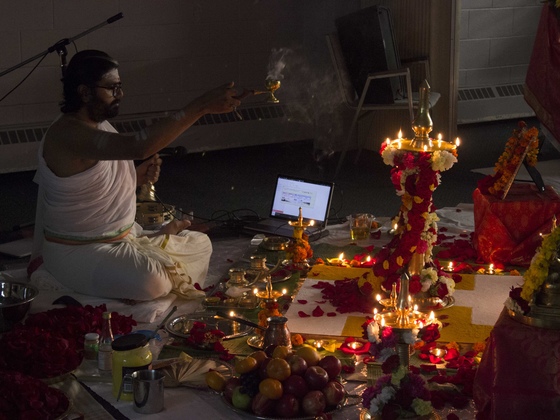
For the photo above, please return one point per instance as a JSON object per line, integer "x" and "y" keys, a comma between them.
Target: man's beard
{"x": 99, "y": 111}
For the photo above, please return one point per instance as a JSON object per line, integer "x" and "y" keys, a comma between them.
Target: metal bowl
{"x": 275, "y": 243}
{"x": 15, "y": 300}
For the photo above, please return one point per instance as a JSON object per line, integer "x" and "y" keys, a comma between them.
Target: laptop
{"x": 291, "y": 193}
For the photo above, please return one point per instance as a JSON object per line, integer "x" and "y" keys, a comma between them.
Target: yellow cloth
{"x": 330, "y": 272}
{"x": 459, "y": 318}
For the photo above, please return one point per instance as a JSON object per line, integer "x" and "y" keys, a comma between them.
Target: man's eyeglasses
{"x": 115, "y": 89}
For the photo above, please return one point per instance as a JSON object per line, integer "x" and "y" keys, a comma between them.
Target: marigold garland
{"x": 522, "y": 144}
{"x": 538, "y": 270}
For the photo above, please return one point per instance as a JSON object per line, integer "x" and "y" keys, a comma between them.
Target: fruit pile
{"x": 284, "y": 384}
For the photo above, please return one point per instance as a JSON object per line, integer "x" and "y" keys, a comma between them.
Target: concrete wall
{"x": 169, "y": 50}
{"x": 496, "y": 41}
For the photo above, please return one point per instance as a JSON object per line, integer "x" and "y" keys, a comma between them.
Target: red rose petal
{"x": 302, "y": 301}
{"x": 317, "y": 312}
{"x": 331, "y": 313}
{"x": 303, "y": 314}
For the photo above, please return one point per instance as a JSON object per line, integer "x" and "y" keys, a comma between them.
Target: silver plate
{"x": 181, "y": 325}
{"x": 281, "y": 275}
{"x": 344, "y": 403}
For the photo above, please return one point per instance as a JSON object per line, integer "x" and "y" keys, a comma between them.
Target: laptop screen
{"x": 314, "y": 198}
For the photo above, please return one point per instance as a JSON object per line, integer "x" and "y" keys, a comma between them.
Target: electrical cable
{"x": 24, "y": 79}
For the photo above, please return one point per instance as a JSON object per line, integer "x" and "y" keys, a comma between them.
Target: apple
{"x": 231, "y": 384}
{"x": 332, "y": 365}
{"x": 295, "y": 385}
{"x": 316, "y": 377}
{"x": 287, "y": 406}
{"x": 334, "y": 393}
{"x": 262, "y": 406}
{"x": 313, "y": 403}
{"x": 298, "y": 365}
{"x": 240, "y": 400}
{"x": 262, "y": 368}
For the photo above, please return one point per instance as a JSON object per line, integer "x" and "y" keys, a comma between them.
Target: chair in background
{"x": 362, "y": 106}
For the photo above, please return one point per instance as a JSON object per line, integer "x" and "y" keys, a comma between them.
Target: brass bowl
{"x": 275, "y": 243}
{"x": 15, "y": 301}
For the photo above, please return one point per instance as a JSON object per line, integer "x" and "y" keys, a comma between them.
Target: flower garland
{"x": 383, "y": 339}
{"x": 523, "y": 144}
{"x": 520, "y": 297}
{"x": 415, "y": 176}
{"x": 398, "y": 394}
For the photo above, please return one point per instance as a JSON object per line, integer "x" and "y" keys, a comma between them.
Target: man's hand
{"x": 174, "y": 227}
{"x": 148, "y": 171}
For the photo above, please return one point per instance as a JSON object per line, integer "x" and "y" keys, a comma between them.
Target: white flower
{"x": 429, "y": 274}
{"x": 513, "y": 306}
{"x": 388, "y": 156}
{"x": 409, "y": 337}
{"x": 442, "y": 160}
{"x": 398, "y": 375}
{"x": 385, "y": 353}
{"x": 449, "y": 282}
{"x": 373, "y": 332}
{"x": 426, "y": 285}
{"x": 422, "y": 407}
{"x": 386, "y": 394}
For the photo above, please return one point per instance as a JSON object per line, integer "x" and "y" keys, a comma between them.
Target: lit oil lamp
{"x": 300, "y": 225}
{"x": 422, "y": 125}
{"x": 269, "y": 293}
{"x": 401, "y": 318}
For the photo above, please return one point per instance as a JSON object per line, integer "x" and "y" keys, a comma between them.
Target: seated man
{"x": 85, "y": 231}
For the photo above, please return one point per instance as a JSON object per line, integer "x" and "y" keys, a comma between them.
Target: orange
{"x": 310, "y": 355}
{"x": 278, "y": 369}
{"x": 271, "y": 388}
{"x": 245, "y": 365}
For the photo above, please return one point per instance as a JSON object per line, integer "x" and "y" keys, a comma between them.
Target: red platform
{"x": 519, "y": 375}
{"x": 508, "y": 231}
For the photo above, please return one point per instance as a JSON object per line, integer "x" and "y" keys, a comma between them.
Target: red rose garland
{"x": 415, "y": 176}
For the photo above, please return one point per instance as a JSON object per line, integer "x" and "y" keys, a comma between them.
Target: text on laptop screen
{"x": 291, "y": 194}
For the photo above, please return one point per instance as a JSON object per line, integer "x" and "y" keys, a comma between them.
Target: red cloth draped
{"x": 508, "y": 231}
{"x": 542, "y": 82}
{"x": 519, "y": 375}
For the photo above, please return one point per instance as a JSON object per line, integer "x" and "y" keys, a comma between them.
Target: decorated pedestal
{"x": 509, "y": 231}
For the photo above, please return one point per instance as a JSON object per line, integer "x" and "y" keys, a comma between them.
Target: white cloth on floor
{"x": 50, "y": 290}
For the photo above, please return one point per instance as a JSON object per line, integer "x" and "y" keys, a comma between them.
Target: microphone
{"x": 115, "y": 18}
{"x": 178, "y": 151}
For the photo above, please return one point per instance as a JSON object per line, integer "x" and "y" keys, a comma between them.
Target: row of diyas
{"x": 430, "y": 146}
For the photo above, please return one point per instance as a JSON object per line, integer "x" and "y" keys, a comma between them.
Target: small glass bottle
{"x": 105, "y": 354}
{"x": 91, "y": 346}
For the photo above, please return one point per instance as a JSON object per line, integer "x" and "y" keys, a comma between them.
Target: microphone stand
{"x": 60, "y": 47}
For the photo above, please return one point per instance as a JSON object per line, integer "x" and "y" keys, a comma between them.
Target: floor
{"x": 228, "y": 185}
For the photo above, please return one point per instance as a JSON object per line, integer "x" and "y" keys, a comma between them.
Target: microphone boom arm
{"x": 60, "y": 46}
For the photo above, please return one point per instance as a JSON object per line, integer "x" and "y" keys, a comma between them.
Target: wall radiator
{"x": 261, "y": 124}
{"x": 492, "y": 103}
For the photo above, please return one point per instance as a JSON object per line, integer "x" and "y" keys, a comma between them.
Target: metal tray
{"x": 181, "y": 325}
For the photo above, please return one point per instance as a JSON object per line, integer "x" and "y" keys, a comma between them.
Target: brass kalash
{"x": 151, "y": 213}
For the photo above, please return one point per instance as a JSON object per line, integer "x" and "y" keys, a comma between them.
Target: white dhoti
{"x": 86, "y": 235}
{"x": 135, "y": 267}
